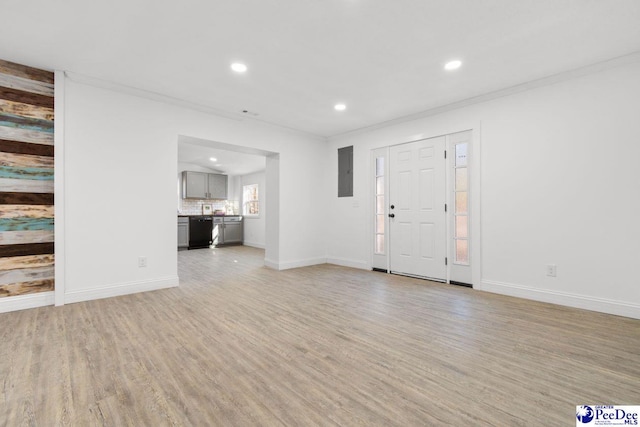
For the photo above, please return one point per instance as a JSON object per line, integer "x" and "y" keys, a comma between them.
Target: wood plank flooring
{"x": 238, "y": 344}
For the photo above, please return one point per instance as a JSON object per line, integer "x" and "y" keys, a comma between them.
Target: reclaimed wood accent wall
{"x": 26, "y": 180}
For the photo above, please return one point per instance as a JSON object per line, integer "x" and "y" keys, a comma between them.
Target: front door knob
{"x": 392, "y": 215}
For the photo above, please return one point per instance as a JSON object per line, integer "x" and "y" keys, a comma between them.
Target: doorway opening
{"x": 242, "y": 167}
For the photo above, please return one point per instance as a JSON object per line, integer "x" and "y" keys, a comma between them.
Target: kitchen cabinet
{"x": 228, "y": 230}
{"x": 183, "y": 232}
{"x": 217, "y": 186}
{"x": 202, "y": 185}
{"x": 233, "y": 232}
{"x": 195, "y": 185}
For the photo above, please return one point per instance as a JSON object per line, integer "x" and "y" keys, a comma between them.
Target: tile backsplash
{"x": 194, "y": 206}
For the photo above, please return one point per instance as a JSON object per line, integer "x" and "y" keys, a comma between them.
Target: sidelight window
{"x": 380, "y": 204}
{"x": 461, "y": 208}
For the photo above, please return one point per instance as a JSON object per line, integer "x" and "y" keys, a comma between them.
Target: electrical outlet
{"x": 142, "y": 261}
{"x": 551, "y": 270}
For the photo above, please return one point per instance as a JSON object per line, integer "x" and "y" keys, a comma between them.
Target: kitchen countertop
{"x": 219, "y": 216}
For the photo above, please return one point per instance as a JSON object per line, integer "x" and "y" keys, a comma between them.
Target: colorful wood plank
{"x": 26, "y": 275}
{"x": 26, "y": 185}
{"x": 16, "y": 95}
{"x": 22, "y": 249}
{"x": 26, "y": 224}
{"x": 26, "y": 237}
{"x": 7, "y": 67}
{"x": 13, "y": 121}
{"x": 9, "y": 198}
{"x": 26, "y": 180}
{"x": 18, "y": 147}
{"x": 25, "y": 160}
{"x": 27, "y": 261}
{"x": 38, "y": 174}
{"x": 16, "y": 289}
{"x": 20, "y": 83}
{"x": 26, "y": 110}
{"x": 25, "y": 135}
{"x": 26, "y": 211}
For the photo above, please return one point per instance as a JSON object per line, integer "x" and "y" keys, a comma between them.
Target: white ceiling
{"x": 383, "y": 58}
{"x": 194, "y": 151}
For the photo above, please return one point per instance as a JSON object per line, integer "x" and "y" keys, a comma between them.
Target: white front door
{"x": 417, "y": 197}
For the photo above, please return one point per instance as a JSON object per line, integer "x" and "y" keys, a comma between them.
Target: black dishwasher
{"x": 200, "y": 228}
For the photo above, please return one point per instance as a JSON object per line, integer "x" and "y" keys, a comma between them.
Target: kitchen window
{"x": 250, "y": 200}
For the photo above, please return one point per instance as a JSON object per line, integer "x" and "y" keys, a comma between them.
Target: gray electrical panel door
{"x": 345, "y": 172}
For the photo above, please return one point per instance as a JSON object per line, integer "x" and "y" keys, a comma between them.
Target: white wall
{"x": 272, "y": 208}
{"x": 120, "y": 168}
{"x": 254, "y": 226}
{"x": 234, "y": 193}
{"x": 559, "y": 185}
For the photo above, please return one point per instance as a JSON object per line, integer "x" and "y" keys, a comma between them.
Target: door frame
{"x": 475, "y": 211}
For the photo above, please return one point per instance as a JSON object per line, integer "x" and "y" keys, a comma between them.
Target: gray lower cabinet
{"x": 183, "y": 232}
{"x": 233, "y": 232}
{"x": 218, "y": 231}
{"x": 201, "y": 185}
{"x": 228, "y": 229}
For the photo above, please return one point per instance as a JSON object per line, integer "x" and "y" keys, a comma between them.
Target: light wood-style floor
{"x": 238, "y": 344}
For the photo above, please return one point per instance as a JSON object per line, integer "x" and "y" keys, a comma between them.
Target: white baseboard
{"x": 315, "y": 261}
{"x": 349, "y": 263}
{"x": 271, "y": 264}
{"x": 23, "y": 302}
{"x": 253, "y": 245}
{"x": 619, "y": 308}
{"x": 121, "y": 289}
{"x": 294, "y": 264}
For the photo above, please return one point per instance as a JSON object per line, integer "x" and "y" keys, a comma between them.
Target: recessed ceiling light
{"x": 238, "y": 67}
{"x": 452, "y": 65}
{"x": 213, "y": 159}
{"x": 340, "y": 107}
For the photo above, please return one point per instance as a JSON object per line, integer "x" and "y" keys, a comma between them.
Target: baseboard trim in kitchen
{"x": 253, "y": 245}
{"x": 121, "y": 289}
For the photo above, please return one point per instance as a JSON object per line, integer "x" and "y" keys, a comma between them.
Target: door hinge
{"x": 446, "y": 261}
{"x": 445, "y": 207}
{"x": 445, "y": 154}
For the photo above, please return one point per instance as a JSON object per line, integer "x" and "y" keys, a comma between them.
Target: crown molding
{"x": 523, "y": 87}
{"x": 154, "y": 96}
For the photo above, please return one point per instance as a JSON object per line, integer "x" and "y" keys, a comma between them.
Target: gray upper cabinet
{"x": 195, "y": 185}
{"x": 217, "y": 186}
{"x": 201, "y": 185}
